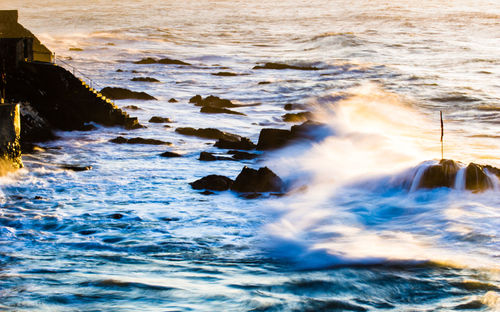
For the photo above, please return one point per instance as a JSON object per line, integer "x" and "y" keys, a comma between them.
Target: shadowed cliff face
{"x": 59, "y": 100}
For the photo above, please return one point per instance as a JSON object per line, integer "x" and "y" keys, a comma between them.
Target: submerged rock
{"x": 145, "y": 79}
{"x": 122, "y": 140}
{"x": 217, "y": 110}
{"x": 158, "y": 119}
{"x": 123, "y": 94}
{"x": 168, "y": 61}
{"x": 257, "y": 181}
{"x": 172, "y": 100}
{"x": 207, "y": 133}
{"x": 76, "y": 168}
{"x": 132, "y": 107}
{"x": 280, "y": 66}
{"x": 170, "y": 154}
{"x": 241, "y": 144}
{"x": 239, "y": 155}
{"x": 225, "y": 74}
{"x": 212, "y": 182}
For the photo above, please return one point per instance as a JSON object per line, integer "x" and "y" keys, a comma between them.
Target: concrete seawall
{"x": 10, "y": 130}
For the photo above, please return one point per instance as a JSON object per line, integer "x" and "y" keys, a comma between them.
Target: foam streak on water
{"x": 352, "y": 235}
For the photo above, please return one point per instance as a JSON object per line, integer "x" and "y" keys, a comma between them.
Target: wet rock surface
{"x": 76, "y": 168}
{"x": 445, "y": 173}
{"x": 169, "y": 154}
{"x": 167, "y": 61}
{"x": 270, "y": 138}
{"x": 124, "y": 94}
{"x": 241, "y": 144}
{"x": 212, "y": 101}
{"x": 158, "y": 119}
{"x": 297, "y": 117}
{"x": 257, "y": 181}
{"x": 281, "y": 66}
{"x": 212, "y": 182}
{"x": 122, "y": 140}
{"x": 145, "y": 79}
{"x": 217, "y": 110}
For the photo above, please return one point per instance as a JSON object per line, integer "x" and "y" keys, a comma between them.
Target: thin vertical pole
{"x": 442, "y": 134}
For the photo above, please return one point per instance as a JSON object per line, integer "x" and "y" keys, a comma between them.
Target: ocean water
{"x": 131, "y": 235}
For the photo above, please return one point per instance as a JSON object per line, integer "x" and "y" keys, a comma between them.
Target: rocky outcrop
{"x": 257, "y": 181}
{"x": 240, "y": 144}
{"x": 158, "y": 119}
{"x": 10, "y": 147}
{"x": 225, "y": 74}
{"x": 208, "y": 133}
{"x": 212, "y": 101}
{"x": 445, "y": 174}
{"x": 217, "y": 110}
{"x": 166, "y": 61}
{"x": 249, "y": 180}
{"x": 280, "y": 66}
{"x": 124, "y": 94}
{"x": 212, "y": 182}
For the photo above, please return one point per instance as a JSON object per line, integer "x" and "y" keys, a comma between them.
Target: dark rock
{"x": 170, "y": 154}
{"x": 172, "y": 100}
{"x": 288, "y": 106}
{"x": 212, "y": 101}
{"x": 116, "y": 216}
{"x": 264, "y": 82}
{"x": 212, "y": 182}
{"x": 205, "y": 156}
{"x": 257, "y": 181}
{"x": 297, "y": 117}
{"x": 225, "y": 74}
{"x": 122, "y": 140}
{"x": 76, "y": 49}
{"x": 157, "y": 119}
{"x": 440, "y": 175}
{"x": 196, "y": 99}
{"x": 273, "y": 138}
{"x": 476, "y": 179}
{"x": 239, "y": 155}
{"x": 132, "y": 107}
{"x": 76, "y": 168}
{"x": 132, "y": 123}
{"x": 123, "y": 94}
{"x": 168, "y": 61}
{"x": 280, "y": 66}
{"x": 492, "y": 170}
{"x": 145, "y": 79}
{"x": 119, "y": 70}
{"x": 216, "y": 110}
{"x": 241, "y": 144}
{"x": 207, "y": 133}
{"x": 251, "y": 195}
{"x": 52, "y": 98}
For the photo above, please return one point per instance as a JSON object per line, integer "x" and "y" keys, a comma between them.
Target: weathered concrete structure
{"x": 10, "y": 28}
{"x": 10, "y": 131}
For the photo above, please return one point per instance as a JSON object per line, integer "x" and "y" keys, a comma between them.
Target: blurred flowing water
{"x": 132, "y": 235}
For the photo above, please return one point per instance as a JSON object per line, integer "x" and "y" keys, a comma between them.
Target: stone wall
{"x": 10, "y": 130}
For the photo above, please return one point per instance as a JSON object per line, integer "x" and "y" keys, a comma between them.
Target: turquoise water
{"x": 131, "y": 234}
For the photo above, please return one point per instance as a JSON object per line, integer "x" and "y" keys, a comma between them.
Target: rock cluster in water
{"x": 477, "y": 178}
